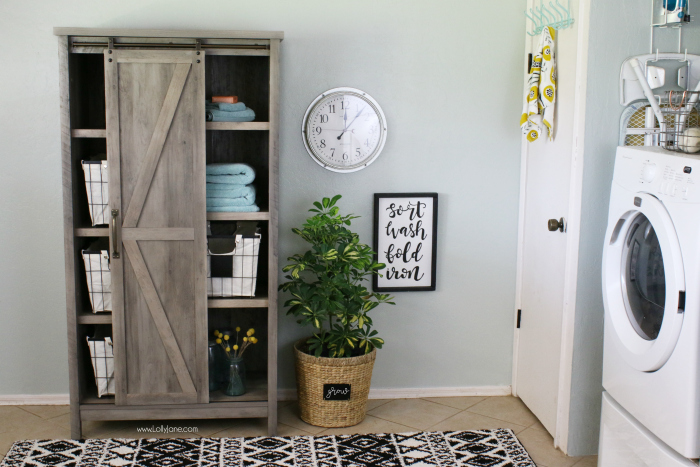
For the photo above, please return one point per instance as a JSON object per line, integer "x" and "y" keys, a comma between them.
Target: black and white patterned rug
{"x": 497, "y": 448}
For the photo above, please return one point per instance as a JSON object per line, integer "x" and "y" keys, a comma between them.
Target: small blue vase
{"x": 235, "y": 384}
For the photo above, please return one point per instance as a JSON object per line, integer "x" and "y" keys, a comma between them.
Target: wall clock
{"x": 344, "y": 130}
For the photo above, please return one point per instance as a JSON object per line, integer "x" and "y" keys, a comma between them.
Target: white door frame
{"x": 573, "y": 229}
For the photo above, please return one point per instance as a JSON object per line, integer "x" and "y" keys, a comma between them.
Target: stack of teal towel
{"x": 229, "y": 188}
{"x": 222, "y": 112}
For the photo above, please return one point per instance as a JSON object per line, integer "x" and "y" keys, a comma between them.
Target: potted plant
{"x": 326, "y": 282}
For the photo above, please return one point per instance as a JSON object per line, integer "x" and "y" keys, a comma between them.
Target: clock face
{"x": 344, "y": 130}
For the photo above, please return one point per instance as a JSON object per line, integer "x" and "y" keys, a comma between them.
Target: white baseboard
{"x": 35, "y": 399}
{"x": 415, "y": 393}
{"x": 291, "y": 394}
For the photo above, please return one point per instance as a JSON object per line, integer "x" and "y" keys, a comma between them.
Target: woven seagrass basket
{"x": 314, "y": 372}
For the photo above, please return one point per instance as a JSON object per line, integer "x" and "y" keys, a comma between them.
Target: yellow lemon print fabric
{"x": 541, "y": 94}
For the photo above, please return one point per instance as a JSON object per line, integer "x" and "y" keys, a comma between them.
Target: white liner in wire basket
{"x": 244, "y": 269}
{"x": 99, "y": 279}
{"x": 102, "y": 358}
{"x": 97, "y": 190}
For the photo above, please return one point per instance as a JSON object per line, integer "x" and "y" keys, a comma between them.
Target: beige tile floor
{"x": 383, "y": 416}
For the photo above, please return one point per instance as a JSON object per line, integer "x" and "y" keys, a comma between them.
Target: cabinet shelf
{"x": 238, "y": 216}
{"x": 92, "y": 232}
{"x": 92, "y": 399}
{"x": 250, "y": 126}
{"x": 211, "y": 216}
{"x": 256, "y": 391}
{"x": 238, "y": 302}
{"x": 95, "y": 318}
{"x": 84, "y": 133}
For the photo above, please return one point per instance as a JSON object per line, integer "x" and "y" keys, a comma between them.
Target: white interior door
{"x": 546, "y": 181}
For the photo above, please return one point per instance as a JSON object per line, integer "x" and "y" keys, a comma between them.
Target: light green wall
{"x": 450, "y": 84}
{"x": 618, "y": 30}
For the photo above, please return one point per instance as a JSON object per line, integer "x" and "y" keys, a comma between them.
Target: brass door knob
{"x": 553, "y": 225}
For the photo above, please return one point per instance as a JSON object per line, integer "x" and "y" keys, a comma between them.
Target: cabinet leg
{"x": 76, "y": 425}
{"x": 272, "y": 423}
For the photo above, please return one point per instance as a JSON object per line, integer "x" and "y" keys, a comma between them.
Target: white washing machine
{"x": 651, "y": 289}
{"x": 624, "y": 442}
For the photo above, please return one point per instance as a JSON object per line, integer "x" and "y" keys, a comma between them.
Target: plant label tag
{"x": 336, "y": 392}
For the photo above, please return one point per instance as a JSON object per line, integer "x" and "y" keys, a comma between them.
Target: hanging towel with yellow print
{"x": 541, "y": 94}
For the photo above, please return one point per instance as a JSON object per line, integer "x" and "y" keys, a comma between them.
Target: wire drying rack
{"x": 680, "y": 131}
{"x": 555, "y": 15}
{"x": 680, "y": 127}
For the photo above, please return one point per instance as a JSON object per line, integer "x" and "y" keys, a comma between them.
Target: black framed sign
{"x": 405, "y": 239}
{"x": 336, "y": 392}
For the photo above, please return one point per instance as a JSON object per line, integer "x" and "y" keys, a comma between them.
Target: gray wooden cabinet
{"x": 138, "y": 96}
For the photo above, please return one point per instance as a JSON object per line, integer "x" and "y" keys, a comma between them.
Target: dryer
{"x": 651, "y": 289}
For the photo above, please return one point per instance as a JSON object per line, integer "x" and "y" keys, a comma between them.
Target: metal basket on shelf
{"x": 680, "y": 130}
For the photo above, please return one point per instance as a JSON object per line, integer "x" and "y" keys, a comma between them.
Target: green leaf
{"x": 335, "y": 199}
{"x": 326, "y": 202}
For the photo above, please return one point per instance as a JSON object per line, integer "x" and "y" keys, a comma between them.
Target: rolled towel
{"x": 246, "y": 115}
{"x": 236, "y": 173}
{"x": 252, "y": 208}
{"x": 226, "y": 107}
{"x": 223, "y": 190}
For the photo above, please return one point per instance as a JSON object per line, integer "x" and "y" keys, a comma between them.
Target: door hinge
{"x": 517, "y": 323}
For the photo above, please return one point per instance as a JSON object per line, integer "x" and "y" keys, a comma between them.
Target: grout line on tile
{"x": 500, "y": 419}
{"x": 27, "y": 411}
{"x": 386, "y": 401}
{"x": 451, "y": 406}
{"x": 294, "y": 428}
{"x": 445, "y": 405}
{"x": 409, "y": 428}
{"x": 390, "y": 421}
{"x": 541, "y": 427}
{"x": 415, "y": 427}
{"x": 431, "y": 428}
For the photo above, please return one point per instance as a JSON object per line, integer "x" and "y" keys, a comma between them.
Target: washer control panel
{"x": 676, "y": 181}
{"x": 648, "y": 171}
{"x": 659, "y": 172}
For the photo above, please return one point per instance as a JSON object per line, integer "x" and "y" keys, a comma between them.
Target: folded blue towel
{"x": 225, "y": 106}
{"x": 234, "y": 174}
{"x": 246, "y": 115}
{"x": 223, "y": 190}
{"x": 240, "y": 196}
{"x": 252, "y": 208}
{"x": 224, "y": 202}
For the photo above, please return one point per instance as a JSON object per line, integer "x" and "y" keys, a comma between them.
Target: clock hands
{"x": 345, "y": 123}
{"x": 353, "y": 121}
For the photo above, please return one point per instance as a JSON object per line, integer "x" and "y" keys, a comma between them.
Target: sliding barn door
{"x": 156, "y": 155}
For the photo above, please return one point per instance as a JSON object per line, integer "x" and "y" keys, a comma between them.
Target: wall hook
{"x": 557, "y": 16}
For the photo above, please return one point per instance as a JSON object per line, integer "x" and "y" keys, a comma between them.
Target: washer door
{"x": 644, "y": 283}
